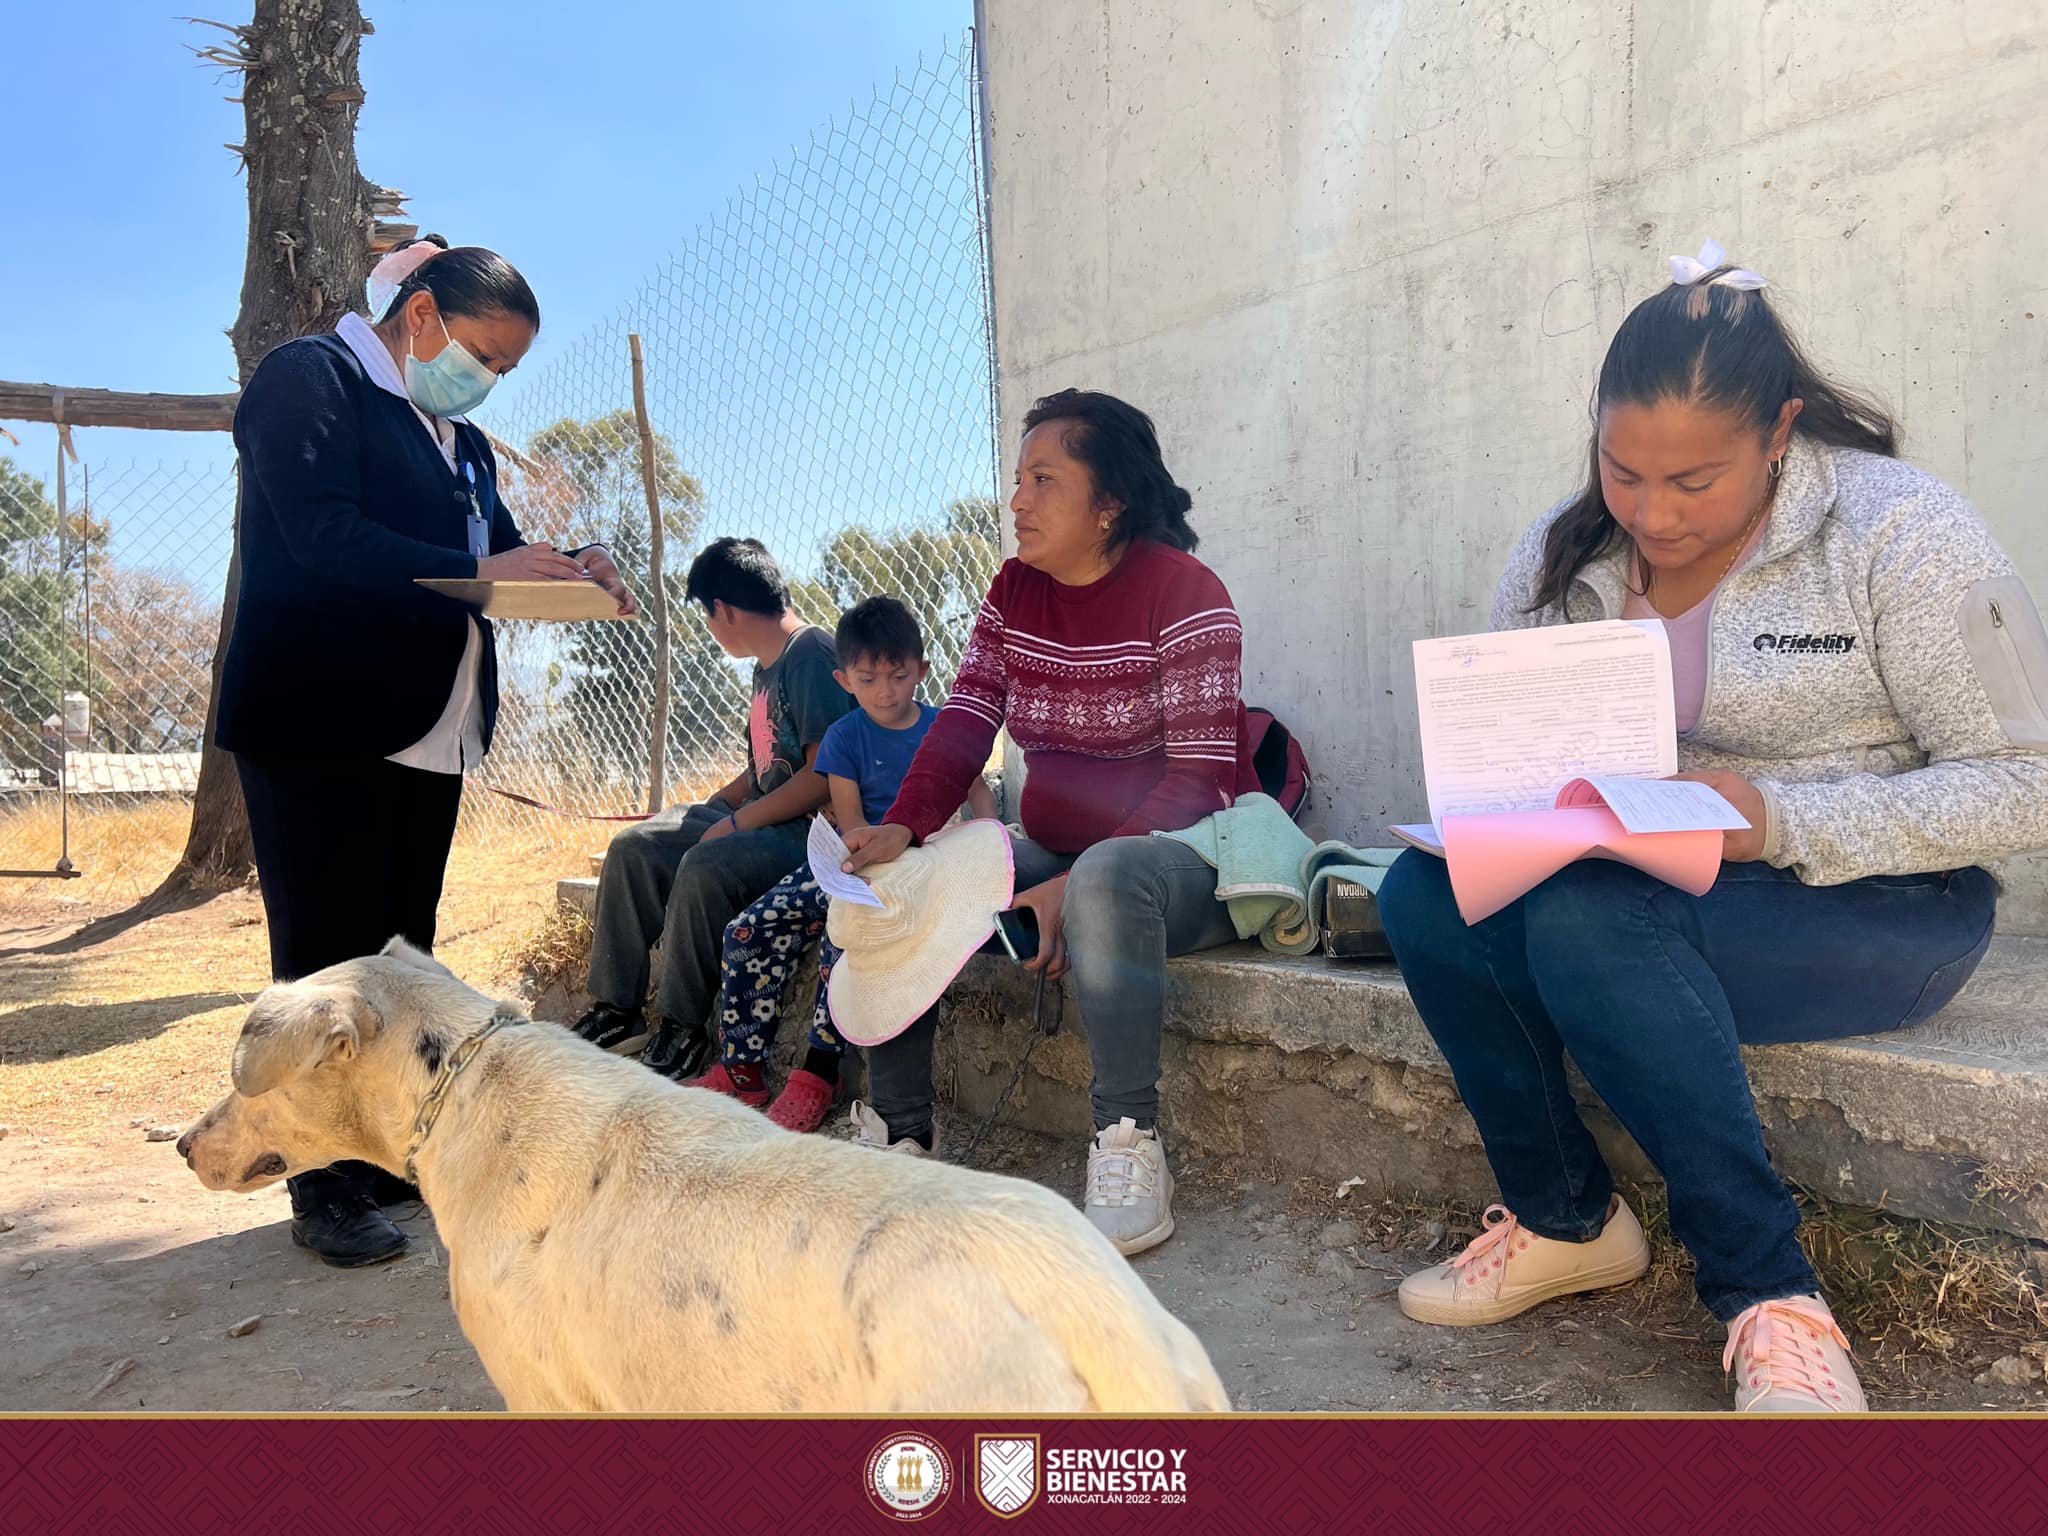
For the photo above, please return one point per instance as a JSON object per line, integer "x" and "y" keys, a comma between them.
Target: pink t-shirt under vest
{"x": 1688, "y": 636}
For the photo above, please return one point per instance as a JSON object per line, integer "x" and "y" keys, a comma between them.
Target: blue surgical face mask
{"x": 450, "y": 384}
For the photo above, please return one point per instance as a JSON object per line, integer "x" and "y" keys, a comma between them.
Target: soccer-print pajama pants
{"x": 763, "y": 947}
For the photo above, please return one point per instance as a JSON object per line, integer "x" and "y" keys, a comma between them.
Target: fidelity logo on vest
{"x": 1805, "y": 645}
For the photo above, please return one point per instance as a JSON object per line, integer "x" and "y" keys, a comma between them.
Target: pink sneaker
{"x": 718, "y": 1080}
{"x": 1789, "y": 1356}
{"x": 806, "y": 1099}
{"x": 1508, "y": 1269}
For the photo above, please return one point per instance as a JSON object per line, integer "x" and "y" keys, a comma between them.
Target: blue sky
{"x": 586, "y": 145}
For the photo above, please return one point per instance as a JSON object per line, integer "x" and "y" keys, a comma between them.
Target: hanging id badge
{"x": 479, "y": 529}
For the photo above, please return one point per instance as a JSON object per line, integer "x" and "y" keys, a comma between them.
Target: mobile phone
{"x": 1017, "y": 927}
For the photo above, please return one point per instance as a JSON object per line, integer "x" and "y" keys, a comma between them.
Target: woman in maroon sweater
{"x": 1112, "y": 656}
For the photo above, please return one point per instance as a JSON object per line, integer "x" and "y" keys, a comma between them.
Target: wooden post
{"x": 657, "y": 586}
{"x": 64, "y": 864}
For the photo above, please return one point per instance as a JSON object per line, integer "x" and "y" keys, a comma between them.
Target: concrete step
{"x": 1314, "y": 1067}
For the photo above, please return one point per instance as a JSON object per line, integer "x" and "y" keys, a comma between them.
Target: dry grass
{"x": 123, "y": 851}
{"x": 142, "y": 1025}
{"x": 1923, "y": 1284}
{"x": 555, "y": 952}
{"x": 1904, "y": 1289}
{"x": 1901, "y": 1284}
{"x": 500, "y": 887}
{"x": 2001, "y": 1183}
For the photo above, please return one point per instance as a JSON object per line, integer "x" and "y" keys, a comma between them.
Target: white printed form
{"x": 827, "y": 850}
{"x": 1656, "y": 805}
{"x": 1508, "y": 719}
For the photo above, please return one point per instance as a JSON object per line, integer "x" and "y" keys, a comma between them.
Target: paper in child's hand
{"x": 828, "y": 853}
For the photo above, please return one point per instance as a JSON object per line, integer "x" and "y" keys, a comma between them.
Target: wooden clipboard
{"x": 561, "y": 602}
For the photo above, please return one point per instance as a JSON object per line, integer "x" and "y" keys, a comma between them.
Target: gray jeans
{"x": 659, "y": 883}
{"x": 1131, "y": 903}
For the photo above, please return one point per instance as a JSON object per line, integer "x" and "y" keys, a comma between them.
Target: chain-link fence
{"x": 818, "y": 376}
{"x": 108, "y": 619}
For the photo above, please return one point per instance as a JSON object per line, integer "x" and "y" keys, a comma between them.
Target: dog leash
{"x": 552, "y": 810}
{"x": 1045, "y": 1031}
{"x": 430, "y": 1106}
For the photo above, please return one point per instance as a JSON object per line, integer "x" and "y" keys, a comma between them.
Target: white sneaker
{"x": 871, "y": 1130}
{"x": 1130, "y": 1190}
{"x": 1789, "y": 1356}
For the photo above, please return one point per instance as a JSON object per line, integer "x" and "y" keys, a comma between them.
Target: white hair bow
{"x": 1687, "y": 270}
{"x": 389, "y": 275}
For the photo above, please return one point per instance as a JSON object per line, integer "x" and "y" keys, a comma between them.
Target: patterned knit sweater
{"x": 1122, "y": 695}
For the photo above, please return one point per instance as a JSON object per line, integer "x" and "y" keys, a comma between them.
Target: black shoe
{"x": 621, "y": 1031}
{"x": 390, "y": 1189}
{"x": 676, "y": 1052}
{"x": 348, "y": 1233}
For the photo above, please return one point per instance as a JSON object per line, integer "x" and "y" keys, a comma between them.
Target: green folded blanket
{"x": 1271, "y": 876}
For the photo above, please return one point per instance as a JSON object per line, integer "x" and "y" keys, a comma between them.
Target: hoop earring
{"x": 1777, "y": 467}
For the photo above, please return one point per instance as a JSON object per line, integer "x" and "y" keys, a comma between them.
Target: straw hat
{"x": 939, "y": 906}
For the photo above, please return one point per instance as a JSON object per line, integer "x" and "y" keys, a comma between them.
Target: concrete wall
{"x": 1361, "y": 260}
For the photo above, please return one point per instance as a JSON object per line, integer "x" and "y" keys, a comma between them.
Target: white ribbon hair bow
{"x": 389, "y": 275}
{"x": 1687, "y": 270}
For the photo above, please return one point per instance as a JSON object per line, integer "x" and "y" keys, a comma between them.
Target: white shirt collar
{"x": 375, "y": 357}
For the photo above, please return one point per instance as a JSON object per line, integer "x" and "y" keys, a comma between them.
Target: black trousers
{"x": 350, "y": 852}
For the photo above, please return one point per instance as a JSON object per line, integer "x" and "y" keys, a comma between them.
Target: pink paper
{"x": 1497, "y": 859}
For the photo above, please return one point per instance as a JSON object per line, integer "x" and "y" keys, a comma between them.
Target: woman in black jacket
{"x": 353, "y": 699}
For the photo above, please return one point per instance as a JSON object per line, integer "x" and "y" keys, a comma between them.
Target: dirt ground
{"x": 120, "y": 1277}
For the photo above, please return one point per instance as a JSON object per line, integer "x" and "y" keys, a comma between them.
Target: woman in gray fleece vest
{"x": 1861, "y": 673}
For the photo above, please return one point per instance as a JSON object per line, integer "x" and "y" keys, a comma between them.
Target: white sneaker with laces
{"x": 871, "y": 1130}
{"x": 1129, "y": 1196}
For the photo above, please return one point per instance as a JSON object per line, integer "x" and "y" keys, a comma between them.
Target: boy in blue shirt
{"x": 863, "y": 757}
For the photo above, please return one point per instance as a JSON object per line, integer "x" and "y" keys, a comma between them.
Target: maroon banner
{"x": 1226, "y": 1476}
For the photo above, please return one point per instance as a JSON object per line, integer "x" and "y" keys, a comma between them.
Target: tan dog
{"x": 618, "y": 1243}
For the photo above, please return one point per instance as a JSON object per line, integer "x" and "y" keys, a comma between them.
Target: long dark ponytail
{"x": 1711, "y": 345}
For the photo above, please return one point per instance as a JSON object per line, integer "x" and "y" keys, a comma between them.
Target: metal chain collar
{"x": 430, "y": 1106}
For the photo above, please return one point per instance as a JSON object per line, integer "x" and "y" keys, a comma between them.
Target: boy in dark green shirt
{"x": 684, "y": 874}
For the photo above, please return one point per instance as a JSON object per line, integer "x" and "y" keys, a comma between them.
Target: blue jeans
{"x": 1651, "y": 990}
